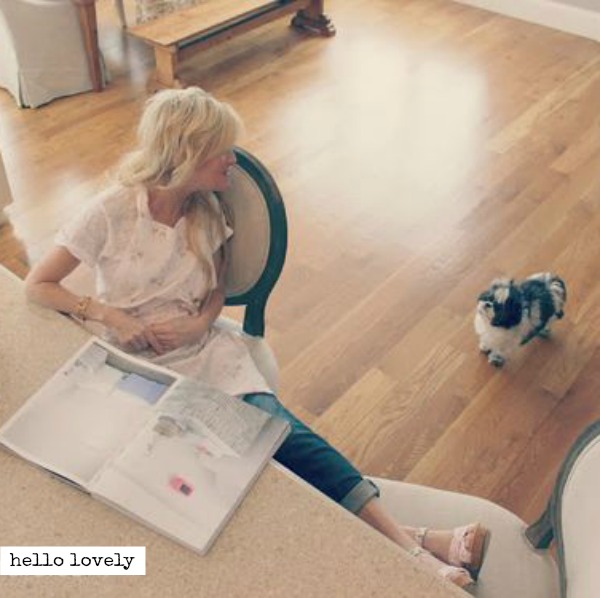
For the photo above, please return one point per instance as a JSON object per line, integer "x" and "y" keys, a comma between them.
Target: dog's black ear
{"x": 486, "y": 296}
{"x": 513, "y": 307}
{"x": 508, "y": 313}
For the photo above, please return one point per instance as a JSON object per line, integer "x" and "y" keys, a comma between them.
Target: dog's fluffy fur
{"x": 511, "y": 313}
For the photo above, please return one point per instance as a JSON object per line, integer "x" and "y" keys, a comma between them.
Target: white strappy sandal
{"x": 459, "y": 554}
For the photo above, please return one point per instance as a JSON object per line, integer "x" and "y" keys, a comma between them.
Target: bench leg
{"x": 314, "y": 19}
{"x": 166, "y": 67}
{"x": 87, "y": 19}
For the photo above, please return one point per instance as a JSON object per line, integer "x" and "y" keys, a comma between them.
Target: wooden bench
{"x": 177, "y": 35}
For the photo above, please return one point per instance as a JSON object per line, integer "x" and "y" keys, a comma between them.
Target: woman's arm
{"x": 43, "y": 286}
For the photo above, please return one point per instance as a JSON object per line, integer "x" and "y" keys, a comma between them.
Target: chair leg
{"x": 254, "y": 319}
{"x": 541, "y": 533}
{"x": 121, "y": 13}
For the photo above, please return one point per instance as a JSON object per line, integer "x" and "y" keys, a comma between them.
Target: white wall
{"x": 588, "y": 4}
{"x": 581, "y": 17}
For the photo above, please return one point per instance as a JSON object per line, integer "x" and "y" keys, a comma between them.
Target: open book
{"x": 174, "y": 453}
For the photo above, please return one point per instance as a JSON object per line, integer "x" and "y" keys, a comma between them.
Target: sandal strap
{"x": 469, "y": 557}
{"x": 458, "y": 552}
{"x": 457, "y": 575}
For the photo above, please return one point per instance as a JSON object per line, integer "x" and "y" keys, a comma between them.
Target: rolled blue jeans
{"x": 314, "y": 460}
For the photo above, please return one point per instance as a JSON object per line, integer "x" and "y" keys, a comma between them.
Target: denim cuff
{"x": 360, "y": 495}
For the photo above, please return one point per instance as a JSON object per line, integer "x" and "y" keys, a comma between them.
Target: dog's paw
{"x": 496, "y": 360}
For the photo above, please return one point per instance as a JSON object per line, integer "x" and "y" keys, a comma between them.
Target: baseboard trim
{"x": 557, "y": 15}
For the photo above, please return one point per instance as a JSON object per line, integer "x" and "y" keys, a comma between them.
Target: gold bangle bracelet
{"x": 82, "y": 307}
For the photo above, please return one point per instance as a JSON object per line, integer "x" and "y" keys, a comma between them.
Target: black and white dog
{"x": 511, "y": 313}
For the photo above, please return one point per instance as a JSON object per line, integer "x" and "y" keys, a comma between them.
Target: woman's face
{"x": 213, "y": 174}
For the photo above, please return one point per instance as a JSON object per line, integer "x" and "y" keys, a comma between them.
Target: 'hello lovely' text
{"x": 44, "y": 559}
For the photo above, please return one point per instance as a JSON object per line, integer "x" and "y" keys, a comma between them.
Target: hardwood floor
{"x": 426, "y": 149}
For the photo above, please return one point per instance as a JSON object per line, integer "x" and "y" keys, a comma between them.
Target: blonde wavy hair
{"x": 179, "y": 129}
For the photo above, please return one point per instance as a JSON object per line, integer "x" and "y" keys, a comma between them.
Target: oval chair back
{"x": 259, "y": 244}
{"x": 572, "y": 518}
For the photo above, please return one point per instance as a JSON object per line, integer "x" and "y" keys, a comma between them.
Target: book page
{"x": 198, "y": 408}
{"x": 192, "y": 463}
{"x": 86, "y": 412}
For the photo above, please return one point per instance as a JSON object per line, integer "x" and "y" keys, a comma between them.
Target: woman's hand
{"x": 131, "y": 333}
{"x": 187, "y": 330}
{"x": 177, "y": 332}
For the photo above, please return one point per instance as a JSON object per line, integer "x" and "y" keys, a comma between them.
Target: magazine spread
{"x": 174, "y": 453}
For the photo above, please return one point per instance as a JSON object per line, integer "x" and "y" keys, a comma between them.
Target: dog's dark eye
{"x": 488, "y": 304}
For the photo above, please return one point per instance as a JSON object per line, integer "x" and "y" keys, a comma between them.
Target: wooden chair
{"x": 572, "y": 518}
{"x": 257, "y": 253}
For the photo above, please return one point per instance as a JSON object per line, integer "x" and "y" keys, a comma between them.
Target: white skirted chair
{"x": 43, "y": 50}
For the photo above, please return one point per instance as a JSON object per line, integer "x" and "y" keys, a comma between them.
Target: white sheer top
{"x": 145, "y": 268}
